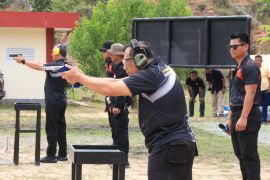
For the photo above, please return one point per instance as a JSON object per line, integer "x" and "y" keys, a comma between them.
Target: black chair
{"x": 21, "y": 107}
{"x": 97, "y": 154}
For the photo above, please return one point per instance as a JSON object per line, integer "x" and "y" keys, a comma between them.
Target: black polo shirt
{"x": 246, "y": 73}
{"x": 120, "y": 102}
{"x": 55, "y": 86}
{"x": 215, "y": 77}
{"x": 162, "y": 106}
{"x": 195, "y": 84}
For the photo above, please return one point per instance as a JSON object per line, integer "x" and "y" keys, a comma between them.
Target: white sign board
{"x": 28, "y": 53}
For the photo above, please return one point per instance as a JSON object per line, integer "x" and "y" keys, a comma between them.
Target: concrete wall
{"x": 22, "y": 82}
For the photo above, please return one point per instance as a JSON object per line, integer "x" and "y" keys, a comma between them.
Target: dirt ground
{"x": 202, "y": 170}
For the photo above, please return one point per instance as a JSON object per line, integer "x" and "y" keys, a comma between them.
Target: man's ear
{"x": 246, "y": 46}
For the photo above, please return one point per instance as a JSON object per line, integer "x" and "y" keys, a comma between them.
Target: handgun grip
{"x": 223, "y": 127}
{"x": 63, "y": 69}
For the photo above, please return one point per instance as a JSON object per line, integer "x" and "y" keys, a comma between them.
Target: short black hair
{"x": 242, "y": 36}
{"x": 258, "y": 56}
{"x": 194, "y": 72}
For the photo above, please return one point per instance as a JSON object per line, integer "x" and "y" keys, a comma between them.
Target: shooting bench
{"x": 97, "y": 154}
{"x": 27, "y": 106}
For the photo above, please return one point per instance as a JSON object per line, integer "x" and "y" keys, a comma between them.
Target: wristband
{"x": 23, "y": 61}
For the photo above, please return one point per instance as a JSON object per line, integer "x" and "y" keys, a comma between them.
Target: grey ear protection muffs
{"x": 139, "y": 54}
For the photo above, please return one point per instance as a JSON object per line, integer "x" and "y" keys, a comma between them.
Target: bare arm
{"x": 209, "y": 84}
{"x": 223, "y": 82}
{"x": 223, "y": 85}
{"x": 104, "y": 86}
{"x": 189, "y": 90}
{"x": 268, "y": 89}
{"x": 31, "y": 64}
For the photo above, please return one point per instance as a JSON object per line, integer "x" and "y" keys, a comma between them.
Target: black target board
{"x": 191, "y": 41}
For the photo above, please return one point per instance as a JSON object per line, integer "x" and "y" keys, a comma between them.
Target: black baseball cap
{"x": 106, "y": 46}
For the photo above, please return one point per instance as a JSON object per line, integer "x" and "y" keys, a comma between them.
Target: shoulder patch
{"x": 239, "y": 74}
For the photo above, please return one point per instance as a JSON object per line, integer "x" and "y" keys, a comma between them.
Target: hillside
{"x": 235, "y": 7}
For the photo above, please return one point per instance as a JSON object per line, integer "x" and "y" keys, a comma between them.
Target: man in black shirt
{"x": 244, "y": 118}
{"x": 163, "y": 116}
{"x": 195, "y": 86}
{"x": 56, "y": 101}
{"x": 216, "y": 85}
{"x": 119, "y": 104}
{"x": 109, "y": 73}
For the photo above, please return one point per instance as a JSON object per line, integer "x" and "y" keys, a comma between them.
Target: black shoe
{"x": 191, "y": 115}
{"x": 48, "y": 159}
{"x": 64, "y": 158}
{"x": 201, "y": 116}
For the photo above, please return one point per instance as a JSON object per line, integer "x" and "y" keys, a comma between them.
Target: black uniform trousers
{"x": 120, "y": 130}
{"x": 173, "y": 161}
{"x": 245, "y": 143}
{"x": 56, "y": 129}
{"x": 110, "y": 118}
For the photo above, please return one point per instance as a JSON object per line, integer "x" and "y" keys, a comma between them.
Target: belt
{"x": 237, "y": 108}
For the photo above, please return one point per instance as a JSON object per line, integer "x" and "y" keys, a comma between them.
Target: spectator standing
{"x": 245, "y": 116}
{"x": 109, "y": 73}
{"x": 265, "y": 86}
{"x": 216, "y": 85}
{"x": 119, "y": 104}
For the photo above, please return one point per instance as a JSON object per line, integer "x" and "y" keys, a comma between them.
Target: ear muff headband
{"x": 138, "y": 54}
{"x": 56, "y": 51}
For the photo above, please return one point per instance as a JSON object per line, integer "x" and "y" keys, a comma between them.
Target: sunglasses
{"x": 235, "y": 46}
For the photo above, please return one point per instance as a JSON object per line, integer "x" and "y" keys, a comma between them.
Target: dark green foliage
{"x": 84, "y": 7}
{"x": 112, "y": 21}
{"x": 222, "y": 3}
{"x": 4, "y": 3}
{"x": 202, "y": 7}
{"x": 266, "y": 38}
{"x": 262, "y": 9}
{"x": 41, "y": 5}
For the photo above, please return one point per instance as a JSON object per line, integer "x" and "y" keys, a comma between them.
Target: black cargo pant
{"x": 110, "y": 116}
{"x": 173, "y": 162}
{"x": 120, "y": 130}
{"x": 56, "y": 129}
{"x": 245, "y": 143}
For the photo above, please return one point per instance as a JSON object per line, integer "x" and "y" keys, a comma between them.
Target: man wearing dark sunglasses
{"x": 244, "y": 118}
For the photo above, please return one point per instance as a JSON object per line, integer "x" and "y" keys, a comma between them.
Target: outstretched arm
{"x": 31, "y": 64}
{"x": 104, "y": 86}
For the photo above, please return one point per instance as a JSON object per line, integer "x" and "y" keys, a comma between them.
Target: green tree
{"x": 4, "y": 3}
{"x": 266, "y": 38}
{"x": 263, "y": 9}
{"x": 112, "y": 21}
{"x": 83, "y": 7}
{"x": 40, "y": 5}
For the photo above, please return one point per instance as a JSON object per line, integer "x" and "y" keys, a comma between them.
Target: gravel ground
{"x": 212, "y": 127}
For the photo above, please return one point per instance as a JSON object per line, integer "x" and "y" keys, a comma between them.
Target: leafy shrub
{"x": 112, "y": 21}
